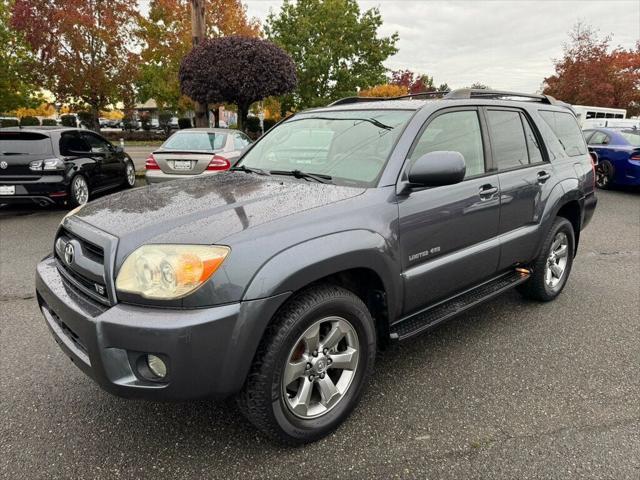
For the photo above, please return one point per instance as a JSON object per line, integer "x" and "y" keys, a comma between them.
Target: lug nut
{"x": 322, "y": 375}
{"x": 309, "y": 366}
{"x": 312, "y": 378}
{"x": 325, "y": 351}
{"x": 315, "y": 353}
{"x": 329, "y": 361}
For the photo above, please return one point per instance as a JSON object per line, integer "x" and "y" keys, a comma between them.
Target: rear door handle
{"x": 543, "y": 177}
{"x": 488, "y": 191}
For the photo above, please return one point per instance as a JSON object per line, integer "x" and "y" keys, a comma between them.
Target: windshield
{"x": 632, "y": 137}
{"x": 349, "y": 146}
{"x": 205, "y": 141}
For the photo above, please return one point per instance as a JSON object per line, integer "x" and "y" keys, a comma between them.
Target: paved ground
{"x": 511, "y": 390}
{"x": 139, "y": 154}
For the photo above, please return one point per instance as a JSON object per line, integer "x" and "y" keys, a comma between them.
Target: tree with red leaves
{"x": 83, "y": 47}
{"x": 236, "y": 69}
{"x": 413, "y": 82}
{"x": 591, "y": 73}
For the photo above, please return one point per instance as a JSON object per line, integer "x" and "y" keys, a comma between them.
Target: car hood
{"x": 206, "y": 210}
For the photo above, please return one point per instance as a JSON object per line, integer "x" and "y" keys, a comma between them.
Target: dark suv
{"x": 342, "y": 229}
{"x": 59, "y": 165}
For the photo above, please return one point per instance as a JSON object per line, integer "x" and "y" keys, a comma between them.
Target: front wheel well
{"x": 571, "y": 211}
{"x": 368, "y": 286}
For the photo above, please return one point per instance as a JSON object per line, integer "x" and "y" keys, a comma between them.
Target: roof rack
{"x": 348, "y": 100}
{"x": 461, "y": 94}
{"x": 467, "y": 93}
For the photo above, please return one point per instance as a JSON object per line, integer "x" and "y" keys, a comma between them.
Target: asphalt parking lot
{"x": 513, "y": 389}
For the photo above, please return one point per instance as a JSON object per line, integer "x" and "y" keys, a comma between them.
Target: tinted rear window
{"x": 24, "y": 143}
{"x": 566, "y": 128}
{"x": 205, "y": 141}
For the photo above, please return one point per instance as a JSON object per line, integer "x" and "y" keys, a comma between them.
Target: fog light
{"x": 157, "y": 366}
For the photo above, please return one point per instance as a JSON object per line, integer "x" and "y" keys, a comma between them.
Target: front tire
{"x": 552, "y": 267}
{"x": 311, "y": 366}
{"x": 78, "y": 191}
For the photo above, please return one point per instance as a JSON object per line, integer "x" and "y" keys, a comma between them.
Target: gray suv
{"x": 342, "y": 229}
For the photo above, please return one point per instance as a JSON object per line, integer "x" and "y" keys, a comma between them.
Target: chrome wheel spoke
{"x": 346, "y": 360}
{"x": 328, "y": 390}
{"x": 300, "y": 403}
{"x": 294, "y": 370}
{"x": 548, "y": 276}
{"x": 561, "y": 252}
{"x": 333, "y": 337}
{"x": 556, "y": 270}
{"x": 312, "y": 338}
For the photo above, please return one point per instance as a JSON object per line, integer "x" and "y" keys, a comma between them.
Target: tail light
{"x": 219, "y": 163}
{"x": 635, "y": 157}
{"x": 151, "y": 164}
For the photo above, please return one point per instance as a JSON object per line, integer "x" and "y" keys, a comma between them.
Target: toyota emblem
{"x": 3, "y": 165}
{"x": 68, "y": 253}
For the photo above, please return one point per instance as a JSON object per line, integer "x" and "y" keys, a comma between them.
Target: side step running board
{"x": 432, "y": 316}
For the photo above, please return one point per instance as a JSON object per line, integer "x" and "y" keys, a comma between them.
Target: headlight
{"x": 167, "y": 272}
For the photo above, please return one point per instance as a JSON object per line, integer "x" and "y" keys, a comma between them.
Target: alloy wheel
{"x": 131, "y": 175}
{"x": 557, "y": 260}
{"x": 320, "y": 367}
{"x": 80, "y": 190}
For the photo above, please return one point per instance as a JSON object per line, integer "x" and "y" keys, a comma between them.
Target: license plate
{"x": 182, "y": 164}
{"x": 7, "y": 190}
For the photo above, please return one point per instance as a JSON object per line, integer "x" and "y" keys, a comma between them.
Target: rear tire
{"x": 552, "y": 267}
{"x": 324, "y": 374}
{"x": 604, "y": 174}
{"x": 78, "y": 191}
{"x": 130, "y": 175}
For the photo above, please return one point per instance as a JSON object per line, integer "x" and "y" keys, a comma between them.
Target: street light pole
{"x": 198, "y": 34}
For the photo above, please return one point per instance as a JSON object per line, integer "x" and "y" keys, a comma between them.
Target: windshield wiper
{"x": 318, "y": 177}
{"x": 370, "y": 120}
{"x": 244, "y": 168}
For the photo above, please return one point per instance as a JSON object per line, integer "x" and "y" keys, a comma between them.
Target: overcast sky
{"x": 507, "y": 45}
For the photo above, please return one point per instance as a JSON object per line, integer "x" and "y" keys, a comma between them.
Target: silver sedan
{"x": 195, "y": 151}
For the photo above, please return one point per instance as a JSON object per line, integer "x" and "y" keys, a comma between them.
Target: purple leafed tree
{"x": 236, "y": 69}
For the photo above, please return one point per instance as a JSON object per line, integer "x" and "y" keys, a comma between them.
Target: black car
{"x": 340, "y": 230}
{"x": 59, "y": 165}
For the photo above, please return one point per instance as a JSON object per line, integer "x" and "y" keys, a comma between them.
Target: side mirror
{"x": 118, "y": 149}
{"x": 435, "y": 169}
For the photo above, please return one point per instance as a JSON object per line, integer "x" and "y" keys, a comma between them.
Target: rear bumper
{"x": 47, "y": 189}
{"x": 208, "y": 352}
{"x": 158, "y": 176}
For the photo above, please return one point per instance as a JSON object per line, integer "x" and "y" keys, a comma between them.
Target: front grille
{"x": 87, "y": 271}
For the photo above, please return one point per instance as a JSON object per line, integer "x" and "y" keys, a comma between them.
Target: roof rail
{"x": 348, "y": 100}
{"x": 467, "y": 93}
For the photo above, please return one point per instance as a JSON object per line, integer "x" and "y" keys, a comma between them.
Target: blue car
{"x": 618, "y": 156}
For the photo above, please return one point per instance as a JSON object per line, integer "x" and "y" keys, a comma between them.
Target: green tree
{"x": 335, "y": 46}
{"x": 17, "y": 88}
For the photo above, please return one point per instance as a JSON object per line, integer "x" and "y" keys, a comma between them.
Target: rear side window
{"x": 632, "y": 137}
{"x": 599, "y": 138}
{"x": 456, "y": 132}
{"x": 508, "y": 142}
{"x": 24, "y": 143}
{"x": 240, "y": 141}
{"x": 567, "y": 131}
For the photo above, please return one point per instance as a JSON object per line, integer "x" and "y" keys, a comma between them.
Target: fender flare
{"x": 299, "y": 265}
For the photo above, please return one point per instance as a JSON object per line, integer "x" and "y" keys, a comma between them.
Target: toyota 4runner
{"x": 342, "y": 229}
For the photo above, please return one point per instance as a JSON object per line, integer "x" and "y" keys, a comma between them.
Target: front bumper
{"x": 208, "y": 351}
{"x": 48, "y": 189}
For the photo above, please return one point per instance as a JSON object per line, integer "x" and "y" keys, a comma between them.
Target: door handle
{"x": 543, "y": 177}
{"x": 487, "y": 191}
